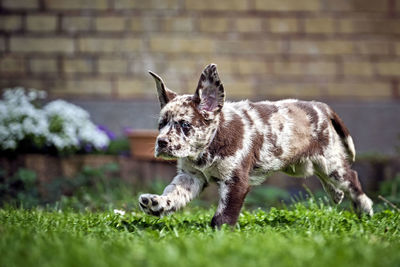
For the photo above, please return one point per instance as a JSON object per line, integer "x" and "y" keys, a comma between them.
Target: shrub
{"x": 28, "y": 126}
{"x": 91, "y": 189}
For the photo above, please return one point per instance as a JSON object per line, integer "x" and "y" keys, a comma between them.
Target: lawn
{"x": 304, "y": 234}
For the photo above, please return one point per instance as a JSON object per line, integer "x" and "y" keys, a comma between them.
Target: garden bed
{"x": 372, "y": 170}
{"x": 48, "y": 167}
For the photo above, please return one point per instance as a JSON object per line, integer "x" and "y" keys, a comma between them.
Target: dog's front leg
{"x": 183, "y": 188}
{"x": 232, "y": 193}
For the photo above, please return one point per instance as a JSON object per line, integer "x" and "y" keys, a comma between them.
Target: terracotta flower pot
{"x": 142, "y": 143}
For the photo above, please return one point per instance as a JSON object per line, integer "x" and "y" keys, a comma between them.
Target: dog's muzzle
{"x": 162, "y": 150}
{"x": 162, "y": 143}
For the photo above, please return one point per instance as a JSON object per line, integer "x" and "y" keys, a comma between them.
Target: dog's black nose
{"x": 162, "y": 143}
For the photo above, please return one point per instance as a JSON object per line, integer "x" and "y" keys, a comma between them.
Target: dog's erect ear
{"x": 164, "y": 94}
{"x": 210, "y": 95}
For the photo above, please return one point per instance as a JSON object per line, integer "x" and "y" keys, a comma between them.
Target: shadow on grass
{"x": 314, "y": 216}
{"x": 200, "y": 221}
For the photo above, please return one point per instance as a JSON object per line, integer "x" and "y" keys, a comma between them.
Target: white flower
{"x": 59, "y": 123}
{"x": 76, "y": 125}
{"x": 9, "y": 144}
{"x": 119, "y": 212}
{"x": 90, "y": 134}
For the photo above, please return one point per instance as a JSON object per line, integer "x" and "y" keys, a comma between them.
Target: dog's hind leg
{"x": 342, "y": 179}
{"x": 350, "y": 184}
{"x": 183, "y": 188}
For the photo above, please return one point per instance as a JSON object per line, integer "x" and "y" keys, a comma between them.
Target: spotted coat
{"x": 238, "y": 144}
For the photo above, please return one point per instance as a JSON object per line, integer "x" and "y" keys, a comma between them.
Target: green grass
{"x": 308, "y": 234}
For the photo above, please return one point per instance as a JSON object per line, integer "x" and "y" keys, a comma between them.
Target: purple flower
{"x": 107, "y": 131}
{"x": 88, "y": 148}
{"x": 126, "y": 130}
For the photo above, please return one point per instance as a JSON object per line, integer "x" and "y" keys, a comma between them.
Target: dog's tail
{"x": 344, "y": 135}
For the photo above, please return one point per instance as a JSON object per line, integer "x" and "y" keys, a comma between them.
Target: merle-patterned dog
{"x": 238, "y": 144}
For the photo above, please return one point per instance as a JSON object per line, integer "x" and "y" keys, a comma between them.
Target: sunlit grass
{"x": 304, "y": 234}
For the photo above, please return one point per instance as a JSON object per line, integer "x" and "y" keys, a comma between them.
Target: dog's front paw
{"x": 152, "y": 204}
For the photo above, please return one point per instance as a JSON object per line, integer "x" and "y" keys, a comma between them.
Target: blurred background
{"x": 96, "y": 54}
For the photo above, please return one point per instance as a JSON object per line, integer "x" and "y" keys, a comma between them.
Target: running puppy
{"x": 238, "y": 144}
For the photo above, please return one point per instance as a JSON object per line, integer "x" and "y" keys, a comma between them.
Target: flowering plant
{"x": 57, "y": 125}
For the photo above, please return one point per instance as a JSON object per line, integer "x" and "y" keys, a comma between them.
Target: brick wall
{"x": 321, "y": 49}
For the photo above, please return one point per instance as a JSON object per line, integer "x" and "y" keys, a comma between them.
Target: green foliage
{"x": 91, "y": 189}
{"x": 391, "y": 189}
{"x": 20, "y": 188}
{"x": 95, "y": 189}
{"x": 301, "y": 235}
{"x": 56, "y": 124}
{"x": 266, "y": 196}
{"x": 117, "y": 147}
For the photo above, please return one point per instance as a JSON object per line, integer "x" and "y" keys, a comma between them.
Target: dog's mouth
{"x": 164, "y": 154}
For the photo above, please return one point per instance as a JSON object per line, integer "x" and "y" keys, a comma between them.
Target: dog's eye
{"x": 185, "y": 126}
